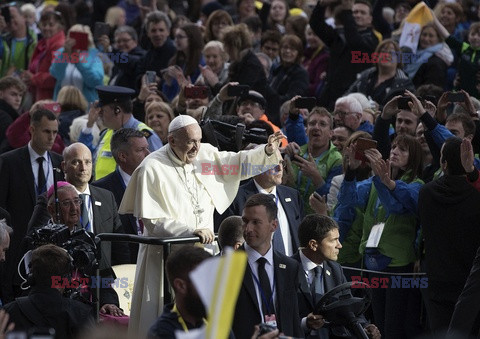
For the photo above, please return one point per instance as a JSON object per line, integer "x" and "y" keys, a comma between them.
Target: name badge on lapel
{"x": 288, "y": 199}
{"x": 98, "y": 203}
{"x": 282, "y": 266}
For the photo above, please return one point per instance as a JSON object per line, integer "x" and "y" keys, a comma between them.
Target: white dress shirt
{"x": 253, "y": 256}
{"x": 282, "y": 220}
{"x": 125, "y": 177}
{"x": 47, "y": 167}
{"x": 88, "y": 202}
{"x": 307, "y": 267}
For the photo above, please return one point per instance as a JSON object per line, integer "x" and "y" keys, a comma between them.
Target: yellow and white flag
{"x": 218, "y": 281}
{"x": 418, "y": 17}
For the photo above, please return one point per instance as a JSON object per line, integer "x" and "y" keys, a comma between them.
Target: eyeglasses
{"x": 180, "y": 37}
{"x": 67, "y": 203}
{"x": 342, "y": 114}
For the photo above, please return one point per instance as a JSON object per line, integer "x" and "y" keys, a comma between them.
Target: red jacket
{"x": 42, "y": 82}
{"x": 18, "y": 134}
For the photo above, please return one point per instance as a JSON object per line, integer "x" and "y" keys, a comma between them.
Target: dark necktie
{"x": 265, "y": 286}
{"x": 85, "y": 220}
{"x": 316, "y": 287}
{"x": 41, "y": 182}
{"x": 277, "y": 235}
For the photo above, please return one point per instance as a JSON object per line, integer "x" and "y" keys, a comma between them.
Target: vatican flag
{"x": 218, "y": 281}
{"x": 419, "y": 16}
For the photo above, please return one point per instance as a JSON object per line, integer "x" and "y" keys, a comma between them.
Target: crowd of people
{"x": 313, "y": 135}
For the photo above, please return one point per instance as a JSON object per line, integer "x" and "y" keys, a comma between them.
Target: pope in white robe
{"x": 175, "y": 191}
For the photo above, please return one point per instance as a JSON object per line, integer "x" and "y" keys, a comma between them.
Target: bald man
{"x": 99, "y": 209}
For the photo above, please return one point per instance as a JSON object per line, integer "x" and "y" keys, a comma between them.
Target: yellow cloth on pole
{"x": 217, "y": 281}
{"x": 418, "y": 17}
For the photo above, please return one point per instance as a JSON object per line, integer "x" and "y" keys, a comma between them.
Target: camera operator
{"x": 45, "y": 306}
{"x": 69, "y": 215}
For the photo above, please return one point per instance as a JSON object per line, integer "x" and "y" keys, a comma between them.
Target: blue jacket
{"x": 91, "y": 70}
{"x": 295, "y": 131}
{"x": 440, "y": 133}
{"x": 403, "y": 199}
{"x": 397, "y": 208}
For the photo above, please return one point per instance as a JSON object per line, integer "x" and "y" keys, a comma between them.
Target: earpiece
{"x": 117, "y": 110}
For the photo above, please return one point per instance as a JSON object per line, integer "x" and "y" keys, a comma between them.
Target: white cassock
{"x": 174, "y": 199}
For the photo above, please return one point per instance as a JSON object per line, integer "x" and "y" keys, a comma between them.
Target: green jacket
{"x": 21, "y": 58}
{"x": 397, "y": 208}
{"x": 329, "y": 164}
{"x": 399, "y": 233}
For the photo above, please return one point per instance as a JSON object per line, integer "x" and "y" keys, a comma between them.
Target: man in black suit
{"x": 289, "y": 204}
{"x": 319, "y": 241}
{"x": 99, "y": 209}
{"x": 270, "y": 284}
{"x": 129, "y": 147}
{"x": 22, "y": 179}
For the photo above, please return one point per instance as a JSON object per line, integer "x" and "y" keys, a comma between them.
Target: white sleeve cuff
{"x": 87, "y": 130}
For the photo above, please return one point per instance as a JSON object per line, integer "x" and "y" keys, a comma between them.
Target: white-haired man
{"x": 175, "y": 191}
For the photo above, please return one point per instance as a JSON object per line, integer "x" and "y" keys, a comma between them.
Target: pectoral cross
{"x": 198, "y": 211}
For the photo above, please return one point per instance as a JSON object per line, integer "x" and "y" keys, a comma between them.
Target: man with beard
{"x": 188, "y": 311}
{"x": 316, "y": 162}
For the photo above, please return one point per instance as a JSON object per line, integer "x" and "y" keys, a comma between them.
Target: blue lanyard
{"x": 262, "y": 293}
{"x": 88, "y": 226}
